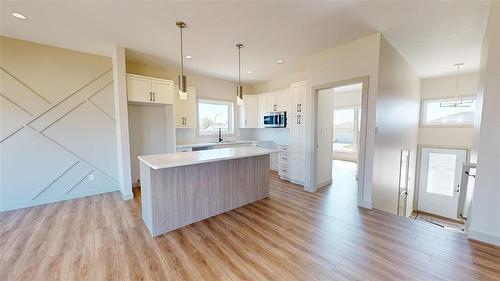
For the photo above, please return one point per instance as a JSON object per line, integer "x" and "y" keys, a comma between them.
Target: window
{"x": 214, "y": 114}
{"x": 345, "y": 129}
{"x": 448, "y": 112}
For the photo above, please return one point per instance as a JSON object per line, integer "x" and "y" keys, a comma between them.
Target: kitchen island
{"x": 178, "y": 189}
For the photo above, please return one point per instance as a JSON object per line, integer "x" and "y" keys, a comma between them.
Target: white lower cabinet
{"x": 284, "y": 166}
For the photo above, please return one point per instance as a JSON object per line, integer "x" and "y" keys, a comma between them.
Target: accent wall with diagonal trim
{"x": 57, "y": 127}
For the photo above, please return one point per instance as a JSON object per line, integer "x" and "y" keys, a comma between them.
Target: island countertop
{"x": 170, "y": 160}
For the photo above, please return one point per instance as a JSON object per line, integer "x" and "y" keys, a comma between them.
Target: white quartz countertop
{"x": 225, "y": 143}
{"x": 170, "y": 160}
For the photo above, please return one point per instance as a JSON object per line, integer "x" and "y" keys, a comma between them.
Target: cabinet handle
{"x": 154, "y": 96}
{"x": 150, "y": 97}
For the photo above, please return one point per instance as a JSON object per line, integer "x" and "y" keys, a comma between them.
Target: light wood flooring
{"x": 293, "y": 235}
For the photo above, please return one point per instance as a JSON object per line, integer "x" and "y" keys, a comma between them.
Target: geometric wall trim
{"x": 59, "y": 147}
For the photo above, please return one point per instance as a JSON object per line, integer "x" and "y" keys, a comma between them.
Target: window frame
{"x": 356, "y": 134}
{"x": 231, "y": 116}
{"x": 423, "y": 112}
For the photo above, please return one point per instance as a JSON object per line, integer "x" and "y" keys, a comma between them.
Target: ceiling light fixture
{"x": 280, "y": 61}
{"x": 249, "y": 72}
{"x": 181, "y": 79}
{"x": 19, "y": 16}
{"x": 239, "y": 88}
{"x": 189, "y": 57}
{"x": 457, "y": 101}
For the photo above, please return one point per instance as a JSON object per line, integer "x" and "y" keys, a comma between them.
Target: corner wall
{"x": 398, "y": 103}
{"x": 485, "y": 210}
{"x": 58, "y": 134}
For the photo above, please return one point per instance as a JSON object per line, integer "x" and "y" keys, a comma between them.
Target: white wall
{"x": 442, "y": 87}
{"x": 398, "y": 103}
{"x": 352, "y": 60}
{"x": 206, "y": 88}
{"x": 485, "y": 209}
{"x": 57, "y": 123}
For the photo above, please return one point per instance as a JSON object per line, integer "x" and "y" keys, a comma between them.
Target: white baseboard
{"x": 324, "y": 183}
{"x": 484, "y": 237}
{"x": 365, "y": 204}
{"x": 127, "y": 196}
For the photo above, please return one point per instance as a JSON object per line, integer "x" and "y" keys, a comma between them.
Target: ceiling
{"x": 431, "y": 35}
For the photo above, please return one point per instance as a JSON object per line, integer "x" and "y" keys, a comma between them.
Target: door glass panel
{"x": 441, "y": 174}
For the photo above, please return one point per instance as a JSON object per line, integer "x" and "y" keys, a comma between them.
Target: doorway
{"x": 439, "y": 185}
{"x": 339, "y": 135}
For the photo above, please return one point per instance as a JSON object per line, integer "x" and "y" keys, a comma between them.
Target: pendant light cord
{"x": 182, "y": 55}
{"x": 239, "y": 66}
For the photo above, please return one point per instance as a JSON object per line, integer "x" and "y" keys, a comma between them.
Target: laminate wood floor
{"x": 293, "y": 235}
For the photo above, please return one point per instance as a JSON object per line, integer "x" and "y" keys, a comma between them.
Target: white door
{"x": 324, "y": 135}
{"x": 439, "y": 189}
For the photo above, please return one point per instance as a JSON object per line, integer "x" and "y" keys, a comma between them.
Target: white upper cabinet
{"x": 185, "y": 110}
{"x": 149, "y": 90}
{"x": 262, "y": 108}
{"x": 249, "y": 114}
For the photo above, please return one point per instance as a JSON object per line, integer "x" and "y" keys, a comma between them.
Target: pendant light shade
{"x": 239, "y": 88}
{"x": 181, "y": 79}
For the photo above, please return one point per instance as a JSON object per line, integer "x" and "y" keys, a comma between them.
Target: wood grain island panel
{"x": 179, "y": 195}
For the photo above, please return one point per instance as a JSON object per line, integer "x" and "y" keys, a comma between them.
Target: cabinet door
{"x": 179, "y": 109}
{"x": 251, "y": 112}
{"x": 139, "y": 89}
{"x": 262, "y": 100}
{"x": 283, "y": 100}
{"x": 298, "y": 92}
{"x": 190, "y": 108}
{"x": 162, "y": 91}
{"x": 271, "y": 104}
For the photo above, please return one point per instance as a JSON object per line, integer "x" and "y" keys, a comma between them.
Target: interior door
{"x": 439, "y": 188}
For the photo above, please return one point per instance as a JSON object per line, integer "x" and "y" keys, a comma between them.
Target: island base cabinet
{"x": 178, "y": 196}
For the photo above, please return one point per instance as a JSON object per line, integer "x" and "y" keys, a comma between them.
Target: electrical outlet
{"x": 91, "y": 177}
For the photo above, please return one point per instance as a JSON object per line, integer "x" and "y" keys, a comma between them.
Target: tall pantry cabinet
{"x": 296, "y": 117}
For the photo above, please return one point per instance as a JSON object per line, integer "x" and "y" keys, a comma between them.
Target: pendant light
{"x": 457, "y": 101}
{"x": 239, "y": 88}
{"x": 181, "y": 79}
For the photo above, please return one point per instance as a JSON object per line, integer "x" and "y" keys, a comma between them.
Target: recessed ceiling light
{"x": 280, "y": 61}
{"x": 19, "y": 16}
{"x": 249, "y": 72}
{"x": 189, "y": 57}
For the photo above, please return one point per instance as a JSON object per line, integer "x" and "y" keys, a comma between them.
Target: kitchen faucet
{"x": 220, "y": 135}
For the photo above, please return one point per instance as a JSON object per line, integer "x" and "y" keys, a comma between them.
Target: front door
{"x": 439, "y": 189}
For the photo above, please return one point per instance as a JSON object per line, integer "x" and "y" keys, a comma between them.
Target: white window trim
{"x": 215, "y": 101}
{"x": 441, "y": 125}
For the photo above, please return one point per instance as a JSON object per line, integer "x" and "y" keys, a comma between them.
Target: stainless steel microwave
{"x": 275, "y": 119}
